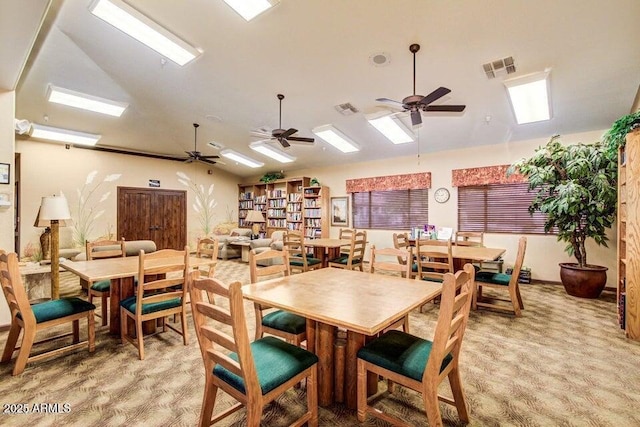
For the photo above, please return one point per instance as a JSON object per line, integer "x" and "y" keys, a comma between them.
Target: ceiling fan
{"x": 196, "y": 155}
{"x": 281, "y": 135}
{"x": 416, "y": 103}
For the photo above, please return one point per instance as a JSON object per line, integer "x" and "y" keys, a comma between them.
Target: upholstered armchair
{"x": 227, "y": 251}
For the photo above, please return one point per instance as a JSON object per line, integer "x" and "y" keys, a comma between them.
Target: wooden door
{"x": 148, "y": 214}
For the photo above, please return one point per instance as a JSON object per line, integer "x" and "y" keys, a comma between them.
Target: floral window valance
{"x": 408, "y": 181}
{"x": 485, "y": 175}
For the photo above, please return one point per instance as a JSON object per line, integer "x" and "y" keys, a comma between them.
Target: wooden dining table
{"x": 326, "y": 249}
{"x": 464, "y": 254}
{"x": 121, "y": 272}
{"x": 329, "y": 298}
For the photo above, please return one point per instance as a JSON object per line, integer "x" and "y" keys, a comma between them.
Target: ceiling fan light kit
{"x": 133, "y": 23}
{"x": 530, "y": 97}
{"x": 85, "y": 101}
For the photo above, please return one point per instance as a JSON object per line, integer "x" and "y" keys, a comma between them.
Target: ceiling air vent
{"x": 499, "y": 65}
{"x": 346, "y": 109}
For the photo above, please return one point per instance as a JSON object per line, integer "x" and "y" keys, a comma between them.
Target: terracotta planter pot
{"x": 583, "y": 282}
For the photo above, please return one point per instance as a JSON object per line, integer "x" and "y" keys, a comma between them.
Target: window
{"x": 498, "y": 208}
{"x": 390, "y": 210}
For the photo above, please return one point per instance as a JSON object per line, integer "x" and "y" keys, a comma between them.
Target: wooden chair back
{"x": 346, "y": 234}
{"x": 299, "y": 258}
{"x": 157, "y": 284}
{"x": 432, "y": 263}
{"x": 208, "y": 248}
{"x": 116, "y": 251}
{"x": 13, "y": 289}
{"x": 401, "y": 241}
{"x": 381, "y": 264}
{"x": 355, "y": 255}
{"x": 279, "y": 265}
{"x": 470, "y": 238}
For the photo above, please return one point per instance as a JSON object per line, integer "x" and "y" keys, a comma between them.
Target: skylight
{"x": 130, "y": 21}
{"x": 63, "y": 135}
{"x": 336, "y": 138}
{"x": 84, "y": 101}
{"x": 530, "y": 97}
{"x": 249, "y": 9}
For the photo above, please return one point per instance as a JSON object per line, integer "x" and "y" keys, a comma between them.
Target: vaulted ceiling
{"x": 317, "y": 53}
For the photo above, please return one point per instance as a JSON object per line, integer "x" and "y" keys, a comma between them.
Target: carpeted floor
{"x": 564, "y": 363}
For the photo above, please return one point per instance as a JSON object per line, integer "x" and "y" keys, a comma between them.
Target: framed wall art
{"x": 5, "y": 176}
{"x": 340, "y": 211}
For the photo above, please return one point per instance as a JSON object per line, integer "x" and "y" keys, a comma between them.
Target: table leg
{"x": 355, "y": 341}
{"x": 311, "y": 335}
{"x": 326, "y": 337}
{"x": 319, "y": 253}
{"x": 119, "y": 290}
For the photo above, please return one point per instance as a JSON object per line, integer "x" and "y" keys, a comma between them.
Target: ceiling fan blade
{"x": 203, "y": 160}
{"x": 445, "y": 108}
{"x": 284, "y": 142}
{"x": 189, "y": 160}
{"x": 288, "y": 133}
{"x": 261, "y": 134}
{"x": 436, "y": 94}
{"x": 416, "y": 118}
{"x": 390, "y": 102}
{"x": 209, "y": 157}
{"x": 300, "y": 139}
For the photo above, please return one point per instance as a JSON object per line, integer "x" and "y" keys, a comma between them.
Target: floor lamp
{"x": 55, "y": 209}
{"x": 255, "y": 218}
{"x": 45, "y": 237}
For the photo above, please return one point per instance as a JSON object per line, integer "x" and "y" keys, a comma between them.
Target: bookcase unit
{"x": 316, "y": 212}
{"x": 628, "y": 279}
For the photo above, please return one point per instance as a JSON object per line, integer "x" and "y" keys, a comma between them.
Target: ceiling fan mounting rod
{"x": 195, "y": 136}
{"x": 280, "y": 97}
{"x": 413, "y": 49}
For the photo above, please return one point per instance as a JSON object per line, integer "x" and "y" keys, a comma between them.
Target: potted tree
{"x": 576, "y": 187}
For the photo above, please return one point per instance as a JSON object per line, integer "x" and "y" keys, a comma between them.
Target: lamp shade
{"x": 54, "y": 208}
{"x": 39, "y": 222}
{"x": 254, "y": 216}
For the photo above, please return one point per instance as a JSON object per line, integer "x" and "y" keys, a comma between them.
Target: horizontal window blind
{"x": 498, "y": 208}
{"x": 391, "y": 210}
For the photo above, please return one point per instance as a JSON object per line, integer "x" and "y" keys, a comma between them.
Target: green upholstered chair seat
{"x": 432, "y": 279}
{"x": 285, "y": 321}
{"x": 130, "y": 304}
{"x": 297, "y": 262}
{"x": 400, "y": 352}
{"x": 102, "y": 286}
{"x": 276, "y": 362}
{"x": 344, "y": 260}
{"x": 495, "y": 278}
{"x": 58, "y": 308}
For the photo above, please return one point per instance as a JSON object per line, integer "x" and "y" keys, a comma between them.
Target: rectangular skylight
{"x": 75, "y": 99}
{"x": 392, "y": 128}
{"x": 241, "y": 158}
{"x": 269, "y": 151}
{"x": 135, "y": 24}
{"x": 249, "y": 9}
{"x": 63, "y": 135}
{"x": 336, "y": 138}
{"x": 530, "y": 97}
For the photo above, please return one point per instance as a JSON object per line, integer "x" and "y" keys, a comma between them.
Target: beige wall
{"x": 7, "y": 215}
{"x": 543, "y": 252}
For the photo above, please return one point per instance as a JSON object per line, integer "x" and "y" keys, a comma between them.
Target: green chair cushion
{"x": 285, "y": 321}
{"x": 297, "y": 262}
{"x": 432, "y": 279}
{"x": 491, "y": 277}
{"x": 130, "y": 304}
{"x": 276, "y": 362}
{"x": 344, "y": 260}
{"x": 102, "y": 286}
{"x": 58, "y": 308}
{"x": 400, "y": 352}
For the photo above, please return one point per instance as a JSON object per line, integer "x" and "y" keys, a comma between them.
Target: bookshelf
{"x": 628, "y": 277}
{"x": 316, "y": 212}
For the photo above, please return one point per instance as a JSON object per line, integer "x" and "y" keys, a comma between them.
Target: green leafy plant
{"x": 271, "y": 176}
{"x": 314, "y": 181}
{"x": 576, "y": 187}
{"x": 615, "y": 136}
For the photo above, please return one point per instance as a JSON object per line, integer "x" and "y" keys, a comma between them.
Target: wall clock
{"x": 441, "y": 195}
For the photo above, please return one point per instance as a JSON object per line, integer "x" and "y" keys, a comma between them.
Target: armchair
{"x": 227, "y": 251}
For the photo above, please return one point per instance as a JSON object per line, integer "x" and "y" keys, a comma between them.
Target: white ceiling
{"x": 316, "y": 52}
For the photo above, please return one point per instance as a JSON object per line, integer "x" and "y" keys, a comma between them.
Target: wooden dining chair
{"x": 208, "y": 248}
{"x": 346, "y": 234}
{"x": 101, "y": 249}
{"x": 161, "y": 292}
{"x": 503, "y": 282}
{"x": 31, "y": 319}
{"x": 420, "y": 364}
{"x": 281, "y": 323}
{"x": 299, "y": 258}
{"x": 431, "y": 263}
{"x": 381, "y": 264}
{"x": 254, "y": 373}
{"x": 401, "y": 241}
{"x": 355, "y": 258}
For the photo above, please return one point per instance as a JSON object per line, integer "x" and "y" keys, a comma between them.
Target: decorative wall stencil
{"x": 408, "y": 181}
{"x": 484, "y": 175}
{"x": 204, "y": 203}
{"x": 86, "y": 209}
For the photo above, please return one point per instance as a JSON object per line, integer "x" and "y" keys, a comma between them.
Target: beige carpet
{"x": 564, "y": 363}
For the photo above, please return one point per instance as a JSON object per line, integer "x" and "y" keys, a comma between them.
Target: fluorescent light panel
{"x": 336, "y": 138}
{"x": 135, "y": 24}
{"x": 530, "y": 98}
{"x": 63, "y": 135}
{"x": 86, "y": 102}
{"x": 249, "y": 9}
{"x": 392, "y": 128}
{"x": 241, "y": 158}
{"x": 262, "y": 148}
